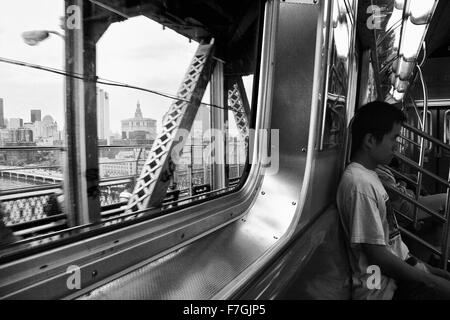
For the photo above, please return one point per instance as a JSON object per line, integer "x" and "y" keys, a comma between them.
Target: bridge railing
{"x": 28, "y": 211}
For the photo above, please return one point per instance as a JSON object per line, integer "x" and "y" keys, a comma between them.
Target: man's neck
{"x": 364, "y": 160}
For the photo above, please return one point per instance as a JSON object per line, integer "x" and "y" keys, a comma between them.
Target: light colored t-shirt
{"x": 367, "y": 218}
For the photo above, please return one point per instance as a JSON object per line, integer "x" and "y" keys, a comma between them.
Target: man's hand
{"x": 439, "y": 272}
{"x": 392, "y": 266}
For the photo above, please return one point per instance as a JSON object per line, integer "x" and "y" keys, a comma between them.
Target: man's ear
{"x": 369, "y": 141}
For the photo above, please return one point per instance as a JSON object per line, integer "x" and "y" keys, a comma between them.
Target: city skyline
{"x": 157, "y": 61}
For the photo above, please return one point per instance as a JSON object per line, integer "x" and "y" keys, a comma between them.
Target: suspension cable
{"x": 101, "y": 81}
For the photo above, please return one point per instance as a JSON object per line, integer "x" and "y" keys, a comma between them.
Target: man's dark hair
{"x": 377, "y": 118}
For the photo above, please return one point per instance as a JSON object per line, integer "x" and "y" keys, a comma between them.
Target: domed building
{"x": 139, "y": 128}
{"x": 49, "y": 127}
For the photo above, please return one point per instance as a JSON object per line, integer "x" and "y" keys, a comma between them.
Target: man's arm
{"x": 437, "y": 271}
{"x": 398, "y": 269}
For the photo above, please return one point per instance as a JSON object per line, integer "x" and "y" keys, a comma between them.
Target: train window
{"x": 32, "y": 122}
{"x": 333, "y": 123}
{"x": 152, "y": 119}
{"x": 447, "y": 127}
{"x": 128, "y": 121}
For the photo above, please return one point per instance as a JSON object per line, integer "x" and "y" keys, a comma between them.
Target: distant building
{"x": 117, "y": 167}
{"x": 35, "y": 115}
{"x": 139, "y": 128}
{"x": 21, "y": 135}
{"x": 103, "y": 128}
{"x": 4, "y": 136}
{"x": 132, "y": 142}
{"x": 2, "y": 115}
{"x": 15, "y": 123}
{"x": 45, "y": 132}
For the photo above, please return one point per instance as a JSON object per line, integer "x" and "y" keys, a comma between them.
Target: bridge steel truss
{"x": 153, "y": 182}
{"x": 238, "y": 104}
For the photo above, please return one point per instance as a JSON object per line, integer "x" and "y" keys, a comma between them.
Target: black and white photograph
{"x": 230, "y": 158}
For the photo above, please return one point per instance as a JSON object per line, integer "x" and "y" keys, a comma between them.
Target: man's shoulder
{"x": 358, "y": 174}
{"x": 358, "y": 179}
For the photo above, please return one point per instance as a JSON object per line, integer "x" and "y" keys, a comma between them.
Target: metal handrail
{"x": 427, "y": 136}
{"x": 37, "y": 222}
{"x": 109, "y": 215}
{"x": 28, "y": 168}
{"x": 121, "y": 161}
{"x": 13, "y": 194}
{"x": 418, "y": 205}
{"x": 126, "y": 147}
{"x": 401, "y": 175}
{"x": 410, "y": 140}
{"x": 419, "y": 166}
{"x": 33, "y": 148}
{"x": 116, "y": 180}
{"x": 446, "y": 127}
{"x": 425, "y": 171}
{"x": 421, "y": 241}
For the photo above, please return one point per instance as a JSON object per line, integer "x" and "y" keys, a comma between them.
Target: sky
{"x": 136, "y": 51}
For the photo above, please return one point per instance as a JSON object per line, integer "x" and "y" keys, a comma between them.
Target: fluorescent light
{"x": 412, "y": 40}
{"x": 397, "y": 36}
{"x": 335, "y": 13}
{"x": 339, "y": 11}
{"x": 405, "y": 69}
{"x": 401, "y": 85}
{"x": 342, "y": 8}
{"x": 420, "y": 10}
{"x": 396, "y": 16}
{"x": 398, "y": 95}
{"x": 342, "y": 40}
{"x": 399, "y": 4}
{"x": 392, "y": 79}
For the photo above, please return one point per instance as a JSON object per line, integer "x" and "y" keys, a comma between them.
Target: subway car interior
{"x": 192, "y": 149}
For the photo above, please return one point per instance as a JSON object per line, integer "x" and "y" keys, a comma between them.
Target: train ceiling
{"x": 382, "y": 42}
{"x": 438, "y": 36}
{"x": 233, "y": 23}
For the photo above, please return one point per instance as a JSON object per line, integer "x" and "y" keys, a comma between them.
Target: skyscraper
{"x": 103, "y": 129}
{"x": 35, "y": 115}
{"x": 2, "y": 117}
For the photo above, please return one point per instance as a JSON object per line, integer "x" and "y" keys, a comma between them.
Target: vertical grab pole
{"x": 446, "y": 235}
{"x": 422, "y": 142}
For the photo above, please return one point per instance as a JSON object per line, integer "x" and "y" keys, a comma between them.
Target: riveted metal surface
{"x": 219, "y": 264}
{"x": 196, "y": 271}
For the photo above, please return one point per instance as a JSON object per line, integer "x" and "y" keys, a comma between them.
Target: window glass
{"x": 134, "y": 72}
{"x": 336, "y": 101}
{"x": 32, "y": 122}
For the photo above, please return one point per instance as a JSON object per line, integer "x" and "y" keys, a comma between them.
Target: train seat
{"x": 324, "y": 271}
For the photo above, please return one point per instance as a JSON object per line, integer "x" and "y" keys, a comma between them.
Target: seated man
{"x": 374, "y": 240}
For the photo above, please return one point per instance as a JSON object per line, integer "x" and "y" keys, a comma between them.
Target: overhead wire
{"x": 102, "y": 81}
